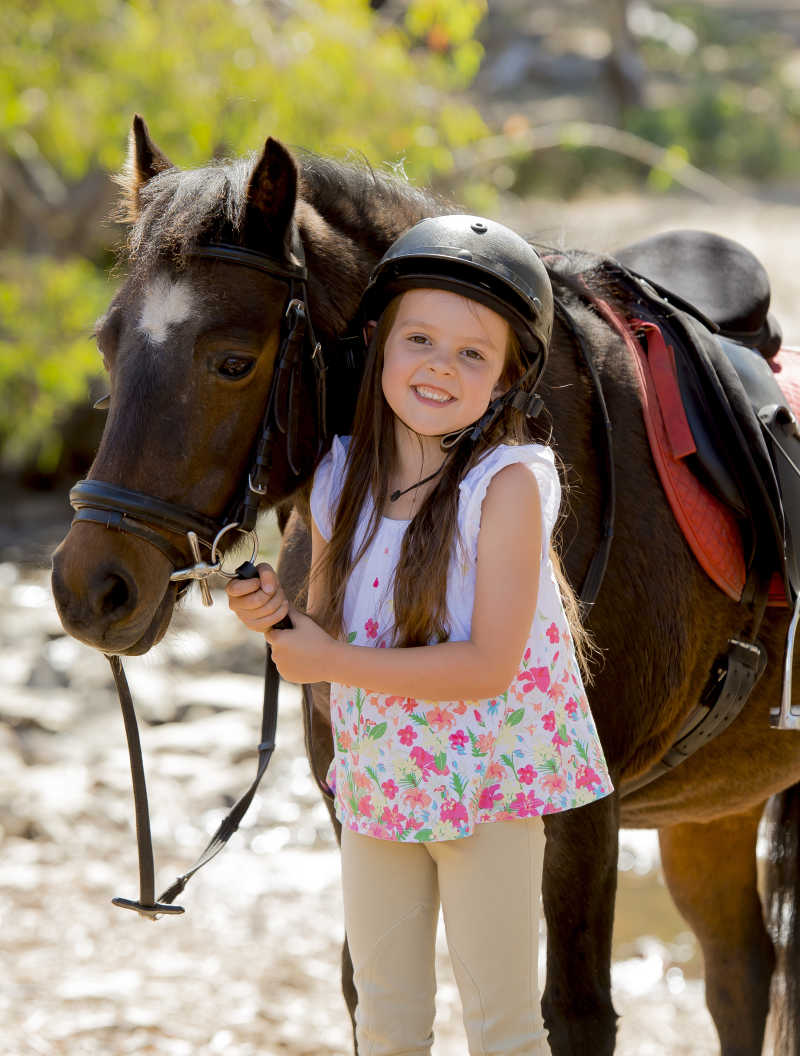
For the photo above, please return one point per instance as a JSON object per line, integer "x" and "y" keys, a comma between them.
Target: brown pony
{"x": 190, "y": 341}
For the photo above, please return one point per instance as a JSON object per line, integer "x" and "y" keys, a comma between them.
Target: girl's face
{"x": 442, "y": 361}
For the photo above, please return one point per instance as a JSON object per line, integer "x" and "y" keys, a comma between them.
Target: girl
{"x": 458, "y": 712}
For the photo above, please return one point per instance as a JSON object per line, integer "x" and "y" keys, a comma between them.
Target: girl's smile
{"x": 443, "y": 359}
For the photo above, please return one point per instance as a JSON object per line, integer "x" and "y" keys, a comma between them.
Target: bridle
{"x": 155, "y": 521}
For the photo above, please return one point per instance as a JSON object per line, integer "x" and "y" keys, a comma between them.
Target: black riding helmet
{"x": 479, "y": 259}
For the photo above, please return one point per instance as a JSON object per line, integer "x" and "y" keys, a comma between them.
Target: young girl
{"x": 458, "y": 712}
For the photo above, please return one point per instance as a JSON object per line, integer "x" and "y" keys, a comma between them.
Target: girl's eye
{"x": 418, "y": 339}
{"x": 232, "y": 368}
{"x": 472, "y": 353}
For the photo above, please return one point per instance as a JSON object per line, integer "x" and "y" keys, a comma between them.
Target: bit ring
{"x": 216, "y": 558}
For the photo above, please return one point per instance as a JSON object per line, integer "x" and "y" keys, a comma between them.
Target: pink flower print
{"x": 496, "y": 770}
{"x": 460, "y": 707}
{"x": 371, "y": 627}
{"x": 534, "y": 678}
{"x": 527, "y": 655}
{"x": 478, "y": 717}
{"x": 549, "y": 721}
{"x": 375, "y": 582}
{"x": 561, "y": 737}
{"x": 452, "y": 810}
{"x": 556, "y": 692}
{"x": 427, "y": 763}
{"x": 365, "y": 806}
{"x": 571, "y": 707}
{"x": 489, "y": 796}
{"x": 361, "y": 780}
{"x": 389, "y": 789}
{"x": 587, "y": 778}
{"x": 550, "y": 808}
{"x": 458, "y": 739}
{"x": 553, "y": 783}
{"x": 393, "y": 819}
{"x": 440, "y": 719}
{"x": 526, "y": 774}
{"x": 552, "y": 634}
{"x": 407, "y": 735}
{"x": 409, "y": 704}
{"x": 380, "y": 832}
{"x": 345, "y": 740}
{"x": 413, "y": 823}
{"x": 526, "y": 805}
{"x": 416, "y": 797}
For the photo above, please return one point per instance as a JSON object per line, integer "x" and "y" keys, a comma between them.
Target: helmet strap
{"x": 529, "y": 403}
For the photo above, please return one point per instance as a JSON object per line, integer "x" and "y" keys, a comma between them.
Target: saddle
{"x": 723, "y": 433}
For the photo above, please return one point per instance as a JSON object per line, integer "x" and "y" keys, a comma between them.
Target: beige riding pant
{"x": 489, "y": 885}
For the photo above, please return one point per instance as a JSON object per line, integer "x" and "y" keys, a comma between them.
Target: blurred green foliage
{"x": 47, "y": 359}
{"x": 722, "y": 92}
{"x": 731, "y": 101}
{"x": 212, "y": 77}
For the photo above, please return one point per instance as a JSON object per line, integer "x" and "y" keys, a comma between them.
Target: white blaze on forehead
{"x": 166, "y": 303}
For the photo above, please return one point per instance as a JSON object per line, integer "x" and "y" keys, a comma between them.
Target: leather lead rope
{"x": 147, "y": 905}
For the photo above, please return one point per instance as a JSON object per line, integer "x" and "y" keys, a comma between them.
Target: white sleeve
{"x": 327, "y": 486}
{"x": 539, "y": 460}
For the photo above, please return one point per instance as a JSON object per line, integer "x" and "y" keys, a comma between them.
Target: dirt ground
{"x": 252, "y": 966}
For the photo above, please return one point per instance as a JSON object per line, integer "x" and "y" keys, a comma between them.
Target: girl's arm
{"x": 507, "y": 581}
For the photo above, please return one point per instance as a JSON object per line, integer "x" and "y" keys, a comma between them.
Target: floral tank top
{"x": 418, "y": 770}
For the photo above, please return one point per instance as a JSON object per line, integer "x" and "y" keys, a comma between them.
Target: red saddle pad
{"x": 709, "y": 526}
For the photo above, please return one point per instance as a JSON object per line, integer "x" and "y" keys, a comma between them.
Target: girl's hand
{"x": 259, "y": 603}
{"x": 304, "y": 654}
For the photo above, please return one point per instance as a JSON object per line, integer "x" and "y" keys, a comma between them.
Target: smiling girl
{"x": 458, "y": 711}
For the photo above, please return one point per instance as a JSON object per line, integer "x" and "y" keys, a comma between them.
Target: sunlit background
{"x": 583, "y": 124}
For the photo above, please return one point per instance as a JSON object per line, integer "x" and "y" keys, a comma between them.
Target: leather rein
{"x": 153, "y": 520}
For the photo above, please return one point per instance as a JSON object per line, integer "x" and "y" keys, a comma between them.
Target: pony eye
{"x": 235, "y": 367}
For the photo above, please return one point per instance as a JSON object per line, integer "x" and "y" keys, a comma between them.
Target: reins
{"x": 153, "y": 520}
{"x": 147, "y": 905}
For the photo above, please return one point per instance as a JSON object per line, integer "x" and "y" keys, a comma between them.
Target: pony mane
{"x": 177, "y": 209}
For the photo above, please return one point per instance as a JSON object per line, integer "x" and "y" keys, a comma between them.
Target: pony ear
{"x": 144, "y": 162}
{"x": 271, "y": 195}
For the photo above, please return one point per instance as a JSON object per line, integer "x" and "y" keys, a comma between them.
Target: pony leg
{"x": 578, "y": 888}
{"x": 710, "y": 870}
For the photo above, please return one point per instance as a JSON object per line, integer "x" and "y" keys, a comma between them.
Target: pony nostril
{"x": 112, "y": 595}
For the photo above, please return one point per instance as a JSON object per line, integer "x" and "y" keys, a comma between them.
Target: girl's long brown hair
{"x": 420, "y": 582}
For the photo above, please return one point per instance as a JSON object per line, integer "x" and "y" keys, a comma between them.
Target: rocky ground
{"x": 252, "y": 967}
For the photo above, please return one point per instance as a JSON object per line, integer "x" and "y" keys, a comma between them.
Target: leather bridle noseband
{"x": 155, "y": 520}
